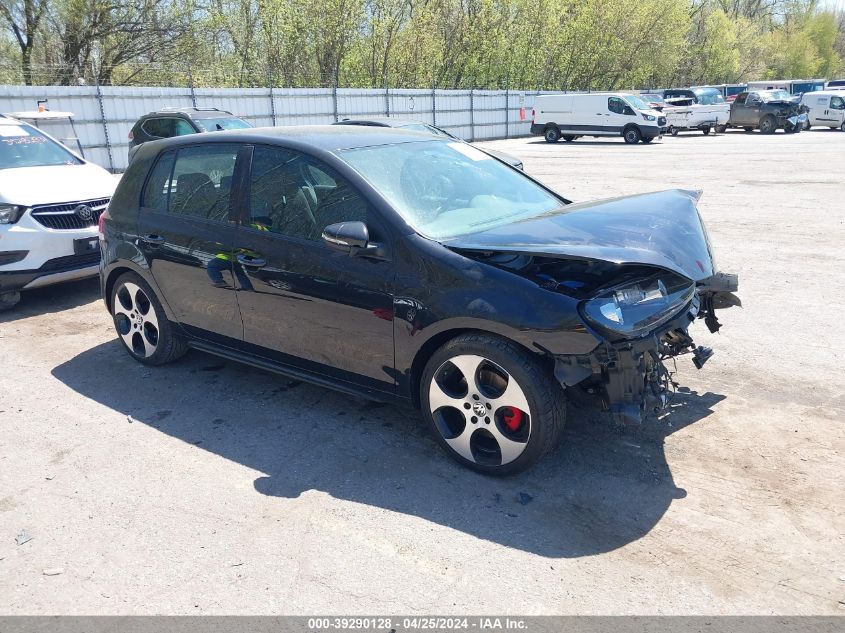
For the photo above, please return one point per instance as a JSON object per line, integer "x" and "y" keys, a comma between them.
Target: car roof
{"x": 323, "y": 137}
{"x": 191, "y": 112}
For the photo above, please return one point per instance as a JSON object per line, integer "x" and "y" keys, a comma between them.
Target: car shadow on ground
{"x": 602, "y": 489}
{"x": 54, "y": 298}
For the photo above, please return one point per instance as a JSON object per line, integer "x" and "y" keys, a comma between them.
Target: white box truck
{"x": 570, "y": 116}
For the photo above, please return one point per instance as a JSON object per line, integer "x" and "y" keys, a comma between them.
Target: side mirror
{"x": 352, "y": 238}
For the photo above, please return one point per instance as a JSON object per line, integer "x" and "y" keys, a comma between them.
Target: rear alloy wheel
{"x": 491, "y": 405}
{"x": 552, "y": 134}
{"x": 9, "y": 300}
{"x": 673, "y": 130}
{"x": 768, "y": 125}
{"x": 706, "y": 130}
{"x": 632, "y": 135}
{"x": 721, "y": 129}
{"x": 141, "y": 323}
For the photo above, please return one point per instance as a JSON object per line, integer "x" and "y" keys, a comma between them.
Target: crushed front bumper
{"x": 628, "y": 378}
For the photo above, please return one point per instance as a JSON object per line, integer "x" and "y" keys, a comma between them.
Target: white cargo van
{"x": 826, "y": 108}
{"x": 570, "y": 116}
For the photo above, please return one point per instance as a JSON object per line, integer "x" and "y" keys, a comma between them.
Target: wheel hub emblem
{"x": 84, "y": 212}
{"x": 479, "y": 409}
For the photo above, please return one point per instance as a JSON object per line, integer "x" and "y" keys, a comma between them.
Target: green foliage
{"x": 550, "y": 44}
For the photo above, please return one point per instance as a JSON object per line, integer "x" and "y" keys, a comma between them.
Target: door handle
{"x": 153, "y": 239}
{"x": 251, "y": 262}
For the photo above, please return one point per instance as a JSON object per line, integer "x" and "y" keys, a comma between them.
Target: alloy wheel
{"x": 135, "y": 319}
{"x": 480, "y": 410}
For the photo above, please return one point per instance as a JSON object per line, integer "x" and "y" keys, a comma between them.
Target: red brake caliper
{"x": 512, "y": 418}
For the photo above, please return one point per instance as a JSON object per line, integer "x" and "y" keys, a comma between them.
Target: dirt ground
{"x": 209, "y": 487}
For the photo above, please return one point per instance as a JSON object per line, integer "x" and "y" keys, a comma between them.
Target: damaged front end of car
{"x": 642, "y": 271}
{"x": 643, "y": 328}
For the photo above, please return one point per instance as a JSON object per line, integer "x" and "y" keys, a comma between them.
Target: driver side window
{"x": 837, "y": 103}
{"x": 616, "y": 105}
{"x": 297, "y": 196}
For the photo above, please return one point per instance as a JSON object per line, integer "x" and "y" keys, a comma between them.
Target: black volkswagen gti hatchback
{"x": 402, "y": 267}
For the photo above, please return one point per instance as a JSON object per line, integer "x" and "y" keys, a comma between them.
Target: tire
{"x": 552, "y": 134}
{"x": 648, "y": 140}
{"x": 748, "y": 129}
{"x": 632, "y": 135}
{"x": 807, "y": 125}
{"x": 568, "y": 138}
{"x": 141, "y": 324}
{"x": 706, "y": 130}
{"x": 842, "y": 127}
{"x": 9, "y": 300}
{"x": 673, "y": 130}
{"x": 481, "y": 421}
{"x": 721, "y": 129}
{"x": 768, "y": 124}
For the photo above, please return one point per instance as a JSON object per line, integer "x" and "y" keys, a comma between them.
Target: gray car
{"x": 418, "y": 126}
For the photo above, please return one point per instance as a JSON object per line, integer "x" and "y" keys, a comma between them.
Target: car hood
{"x": 54, "y": 184}
{"x": 660, "y": 229}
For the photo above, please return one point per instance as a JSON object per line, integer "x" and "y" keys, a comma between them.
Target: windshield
{"x": 637, "y": 103}
{"x": 223, "y": 123}
{"x": 24, "y": 146}
{"x": 445, "y": 189}
{"x": 774, "y": 95}
{"x": 709, "y": 96}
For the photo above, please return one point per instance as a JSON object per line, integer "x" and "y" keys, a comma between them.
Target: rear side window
{"x": 158, "y": 184}
{"x": 166, "y": 127}
{"x": 837, "y": 103}
{"x": 193, "y": 181}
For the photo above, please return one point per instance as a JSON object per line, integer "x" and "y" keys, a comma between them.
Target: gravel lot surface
{"x": 210, "y": 487}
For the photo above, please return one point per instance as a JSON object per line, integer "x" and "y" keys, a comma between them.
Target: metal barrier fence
{"x": 104, "y": 115}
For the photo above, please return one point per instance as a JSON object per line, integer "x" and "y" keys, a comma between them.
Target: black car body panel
{"x": 368, "y": 324}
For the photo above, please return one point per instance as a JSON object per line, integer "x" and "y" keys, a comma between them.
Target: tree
{"x": 24, "y": 18}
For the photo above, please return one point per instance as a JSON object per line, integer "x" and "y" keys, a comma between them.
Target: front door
{"x": 187, "y": 238}
{"x": 302, "y": 302}
{"x": 618, "y": 115}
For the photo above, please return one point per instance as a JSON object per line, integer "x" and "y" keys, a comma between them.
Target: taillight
{"x": 101, "y": 224}
{"x": 131, "y": 136}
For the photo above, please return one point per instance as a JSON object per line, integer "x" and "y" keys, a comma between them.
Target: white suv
{"x": 50, "y": 203}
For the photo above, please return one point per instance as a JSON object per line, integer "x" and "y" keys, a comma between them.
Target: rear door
{"x": 303, "y": 303}
{"x": 187, "y": 237}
